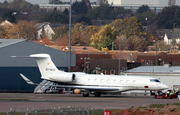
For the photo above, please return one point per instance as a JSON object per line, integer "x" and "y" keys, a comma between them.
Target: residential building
{"x": 174, "y": 34}
{"x": 44, "y": 28}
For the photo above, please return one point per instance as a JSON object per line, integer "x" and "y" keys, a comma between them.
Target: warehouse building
{"x": 10, "y": 80}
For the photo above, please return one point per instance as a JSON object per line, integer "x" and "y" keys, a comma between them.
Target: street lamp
{"x": 156, "y": 51}
{"x": 119, "y": 54}
{"x": 70, "y": 36}
{"x": 147, "y": 24}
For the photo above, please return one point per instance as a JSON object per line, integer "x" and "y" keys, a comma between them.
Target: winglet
{"x": 26, "y": 79}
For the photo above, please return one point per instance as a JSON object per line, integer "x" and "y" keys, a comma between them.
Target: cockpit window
{"x": 155, "y": 80}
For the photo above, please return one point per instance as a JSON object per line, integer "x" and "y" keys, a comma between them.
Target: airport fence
{"x": 64, "y": 111}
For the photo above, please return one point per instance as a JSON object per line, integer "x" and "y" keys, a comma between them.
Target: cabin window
{"x": 112, "y": 72}
{"x": 104, "y": 72}
{"x": 89, "y": 79}
{"x": 115, "y": 81}
{"x": 95, "y": 80}
{"x": 155, "y": 80}
{"x": 134, "y": 81}
{"x": 127, "y": 81}
{"x": 121, "y": 81}
{"x": 102, "y": 80}
{"x": 108, "y": 80}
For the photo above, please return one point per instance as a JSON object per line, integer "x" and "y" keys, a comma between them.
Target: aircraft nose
{"x": 164, "y": 86}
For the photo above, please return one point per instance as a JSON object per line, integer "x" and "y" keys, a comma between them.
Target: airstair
{"x": 41, "y": 88}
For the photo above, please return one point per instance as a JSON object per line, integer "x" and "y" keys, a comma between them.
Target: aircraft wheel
{"x": 85, "y": 94}
{"x": 97, "y": 94}
{"x": 155, "y": 97}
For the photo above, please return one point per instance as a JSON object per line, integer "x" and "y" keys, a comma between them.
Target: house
{"x": 173, "y": 34}
{"x": 44, "y": 28}
{"x": 6, "y": 23}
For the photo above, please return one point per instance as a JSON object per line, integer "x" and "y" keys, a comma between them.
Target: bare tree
{"x": 171, "y": 2}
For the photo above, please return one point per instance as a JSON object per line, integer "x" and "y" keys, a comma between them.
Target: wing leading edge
{"x": 94, "y": 88}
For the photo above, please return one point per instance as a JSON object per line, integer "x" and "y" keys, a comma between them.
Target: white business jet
{"x": 99, "y": 84}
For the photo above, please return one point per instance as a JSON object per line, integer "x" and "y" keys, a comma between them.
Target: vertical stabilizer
{"x": 45, "y": 64}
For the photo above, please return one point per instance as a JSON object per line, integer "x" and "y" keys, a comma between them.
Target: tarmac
{"x": 48, "y": 101}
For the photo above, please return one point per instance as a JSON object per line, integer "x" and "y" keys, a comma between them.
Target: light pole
{"x": 70, "y": 36}
{"x": 119, "y": 54}
{"x": 147, "y": 24}
{"x": 156, "y": 51}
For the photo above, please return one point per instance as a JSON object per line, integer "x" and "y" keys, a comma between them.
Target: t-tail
{"x": 45, "y": 64}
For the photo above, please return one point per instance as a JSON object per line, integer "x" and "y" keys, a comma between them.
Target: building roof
{"x": 7, "y": 42}
{"x": 155, "y": 69}
{"x": 40, "y": 25}
{"x": 173, "y": 34}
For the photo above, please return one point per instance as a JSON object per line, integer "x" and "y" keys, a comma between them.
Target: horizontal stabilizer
{"x": 27, "y": 80}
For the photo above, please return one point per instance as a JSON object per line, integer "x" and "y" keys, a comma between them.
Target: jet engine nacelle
{"x": 63, "y": 77}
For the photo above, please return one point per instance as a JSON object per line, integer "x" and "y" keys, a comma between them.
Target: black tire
{"x": 155, "y": 97}
{"x": 97, "y": 94}
{"x": 85, "y": 94}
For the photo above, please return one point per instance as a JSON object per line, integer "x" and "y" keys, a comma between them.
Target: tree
{"x": 106, "y": 43}
{"x": 3, "y": 32}
{"x": 55, "y": 16}
{"x": 55, "y": 2}
{"x": 66, "y": 11}
{"x": 78, "y": 27}
{"x": 84, "y": 19}
{"x": 147, "y": 17}
{"x": 60, "y": 32}
{"x": 119, "y": 13}
{"x": 132, "y": 33}
{"x": 20, "y": 5}
{"x": 142, "y": 9}
{"x": 7, "y": 15}
{"x": 168, "y": 17}
{"x": 80, "y": 7}
{"x": 24, "y": 29}
{"x": 88, "y": 32}
{"x": 105, "y": 31}
{"x": 101, "y": 12}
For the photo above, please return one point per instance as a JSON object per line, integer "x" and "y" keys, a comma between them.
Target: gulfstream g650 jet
{"x": 99, "y": 84}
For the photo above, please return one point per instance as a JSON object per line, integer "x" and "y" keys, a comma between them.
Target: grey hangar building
{"x": 10, "y": 68}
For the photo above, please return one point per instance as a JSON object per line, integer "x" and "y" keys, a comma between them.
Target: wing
{"x": 94, "y": 88}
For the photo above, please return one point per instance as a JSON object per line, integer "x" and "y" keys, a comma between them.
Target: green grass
{"x": 143, "y": 107}
{"x": 176, "y": 104}
{"x": 157, "y": 106}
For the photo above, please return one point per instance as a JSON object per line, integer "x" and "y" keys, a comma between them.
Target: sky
{"x": 162, "y": 2}
{"x": 33, "y": 1}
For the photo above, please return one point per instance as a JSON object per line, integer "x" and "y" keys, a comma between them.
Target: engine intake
{"x": 63, "y": 77}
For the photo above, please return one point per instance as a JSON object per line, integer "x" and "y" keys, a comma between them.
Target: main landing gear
{"x": 96, "y": 94}
{"x": 85, "y": 94}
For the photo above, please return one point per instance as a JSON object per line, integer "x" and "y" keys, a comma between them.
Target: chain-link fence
{"x": 63, "y": 111}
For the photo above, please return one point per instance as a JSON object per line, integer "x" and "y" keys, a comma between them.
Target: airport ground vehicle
{"x": 165, "y": 96}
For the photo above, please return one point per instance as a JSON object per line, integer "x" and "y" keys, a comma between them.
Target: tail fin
{"x": 45, "y": 64}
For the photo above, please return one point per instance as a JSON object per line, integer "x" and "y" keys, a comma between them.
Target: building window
{"x": 112, "y": 72}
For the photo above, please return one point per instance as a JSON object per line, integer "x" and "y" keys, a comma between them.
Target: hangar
{"x": 10, "y": 80}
